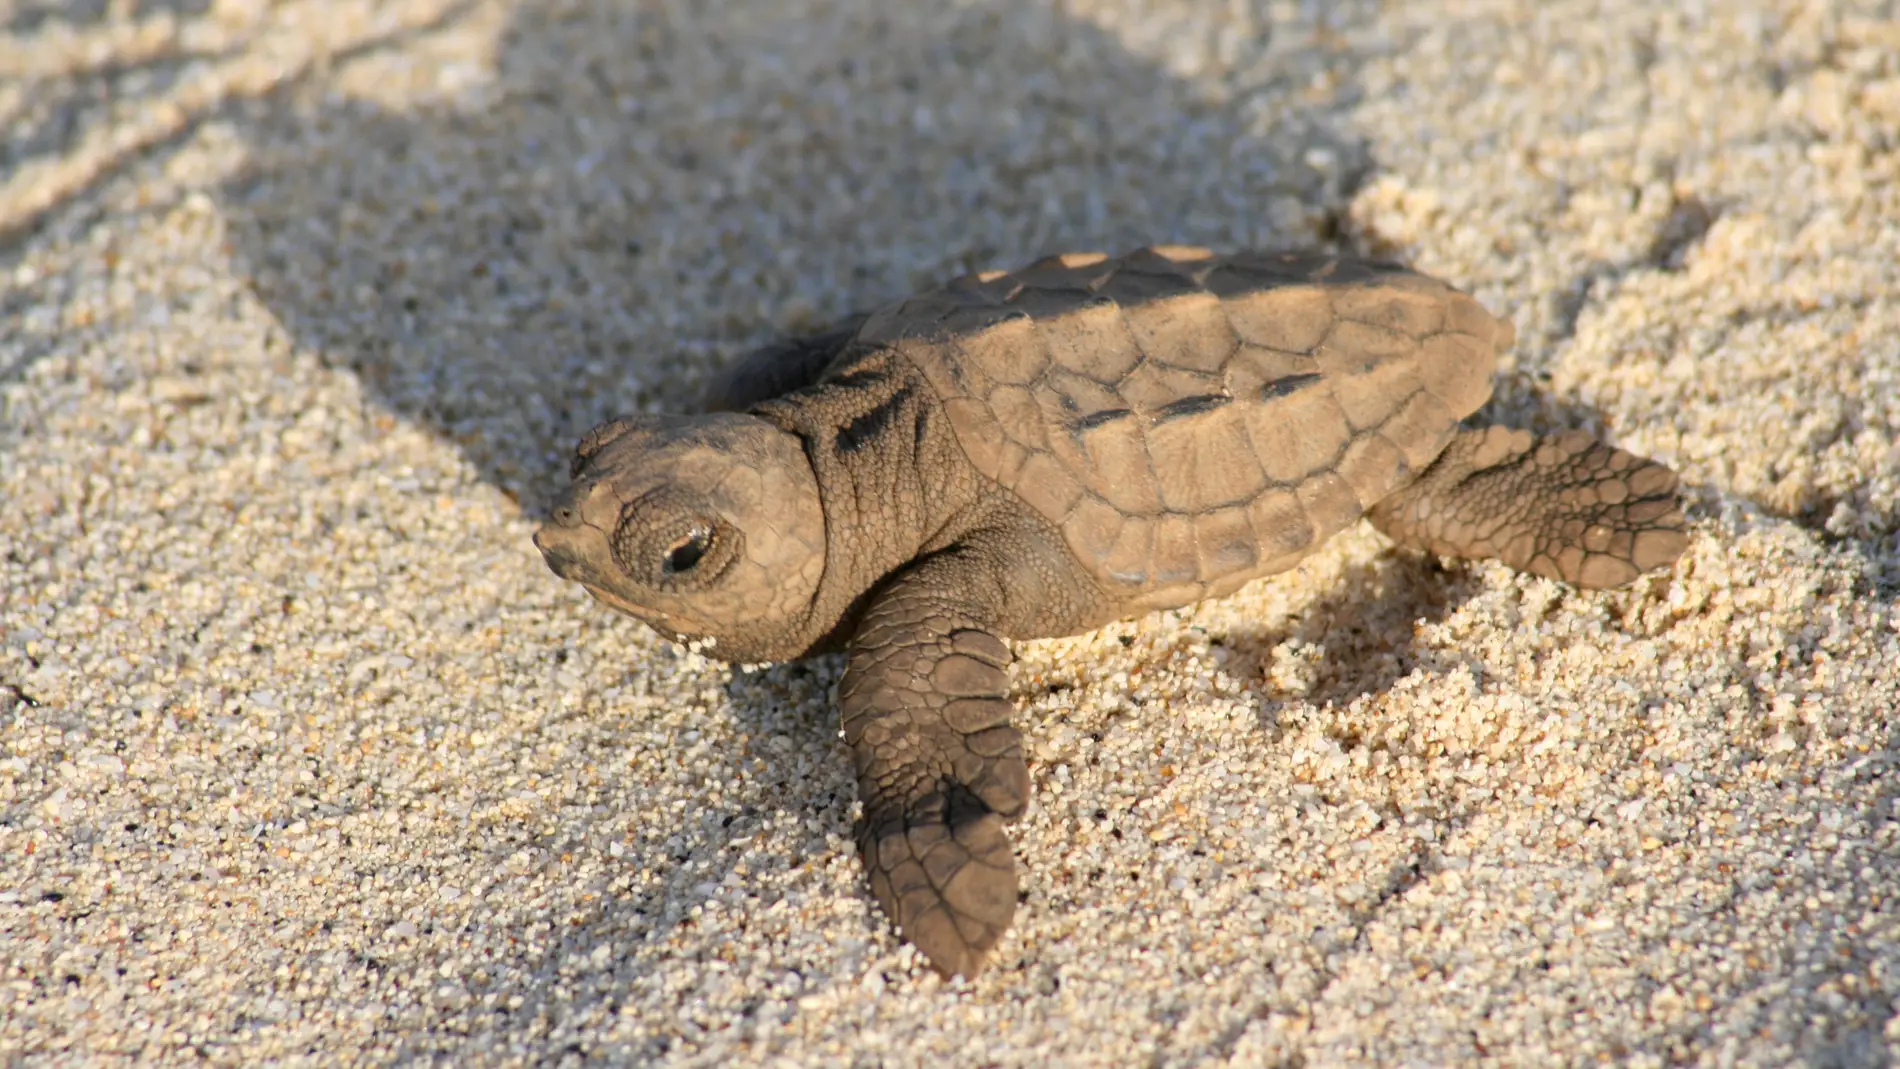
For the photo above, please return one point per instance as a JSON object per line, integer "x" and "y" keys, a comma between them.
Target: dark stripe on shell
{"x": 1291, "y": 384}
{"x": 1097, "y": 419}
{"x": 1190, "y": 406}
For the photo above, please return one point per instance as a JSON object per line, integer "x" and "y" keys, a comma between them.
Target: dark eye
{"x": 686, "y": 551}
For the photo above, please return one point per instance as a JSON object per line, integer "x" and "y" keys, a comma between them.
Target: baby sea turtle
{"x": 1035, "y": 453}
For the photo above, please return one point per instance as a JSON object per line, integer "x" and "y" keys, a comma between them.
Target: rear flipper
{"x": 1564, "y": 507}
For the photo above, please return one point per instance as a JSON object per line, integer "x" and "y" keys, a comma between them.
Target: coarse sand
{"x": 306, "y": 758}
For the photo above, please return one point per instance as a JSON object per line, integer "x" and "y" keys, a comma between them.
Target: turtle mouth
{"x": 572, "y": 562}
{"x": 666, "y": 623}
{"x": 561, "y": 560}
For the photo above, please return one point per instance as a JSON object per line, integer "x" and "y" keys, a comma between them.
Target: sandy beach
{"x": 307, "y": 759}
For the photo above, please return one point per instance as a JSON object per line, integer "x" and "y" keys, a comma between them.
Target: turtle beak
{"x": 560, "y": 559}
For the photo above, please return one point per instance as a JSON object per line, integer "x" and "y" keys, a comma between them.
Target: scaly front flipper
{"x": 926, "y": 714}
{"x": 1564, "y": 507}
{"x": 781, "y": 367}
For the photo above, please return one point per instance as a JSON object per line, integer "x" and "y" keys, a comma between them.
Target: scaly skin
{"x": 1033, "y": 454}
{"x": 951, "y": 564}
{"x": 925, "y": 703}
{"x": 1564, "y": 507}
{"x": 925, "y": 567}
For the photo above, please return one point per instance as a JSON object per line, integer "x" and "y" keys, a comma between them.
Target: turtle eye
{"x": 670, "y": 540}
{"x": 686, "y": 551}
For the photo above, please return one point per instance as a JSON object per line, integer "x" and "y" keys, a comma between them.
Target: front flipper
{"x": 781, "y": 367}
{"x": 1564, "y": 507}
{"x": 926, "y": 714}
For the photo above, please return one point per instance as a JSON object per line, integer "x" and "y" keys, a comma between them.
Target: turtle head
{"x": 703, "y": 527}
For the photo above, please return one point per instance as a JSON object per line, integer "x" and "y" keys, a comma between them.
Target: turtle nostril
{"x": 565, "y": 516}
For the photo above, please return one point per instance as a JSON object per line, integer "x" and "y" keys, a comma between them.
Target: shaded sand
{"x": 308, "y": 759}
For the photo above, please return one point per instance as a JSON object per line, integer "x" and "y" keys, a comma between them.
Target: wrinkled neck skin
{"x": 895, "y": 483}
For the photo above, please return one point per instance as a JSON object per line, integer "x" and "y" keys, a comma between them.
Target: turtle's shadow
{"x": 28, "y": 17}
{"x": 614, "y": 263}
{"x": 619, "y": 252}
{"x": 620, "y": 247}
{"x": 1355, "y": 640}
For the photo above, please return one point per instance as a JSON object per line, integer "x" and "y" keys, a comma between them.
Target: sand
{"x": 307, "y": 759}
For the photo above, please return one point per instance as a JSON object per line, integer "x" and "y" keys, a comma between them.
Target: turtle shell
{"x": 1189, "y": 421}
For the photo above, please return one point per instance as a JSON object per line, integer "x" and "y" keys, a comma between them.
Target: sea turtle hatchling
{"x": 1035, "y": 453}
